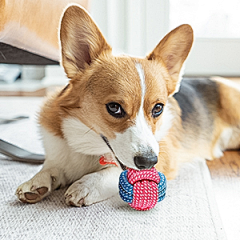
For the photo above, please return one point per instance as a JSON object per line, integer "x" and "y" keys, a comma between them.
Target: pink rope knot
{"x": 145, "y": 188}
{"x": 136, "y": 175}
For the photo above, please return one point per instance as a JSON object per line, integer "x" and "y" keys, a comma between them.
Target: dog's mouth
{"x": 108, "y": 144}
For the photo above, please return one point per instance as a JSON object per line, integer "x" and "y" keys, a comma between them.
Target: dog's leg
{"x": 61, "y": 167}
{"x": 51, "y": 176}
{"x": 41, "y": 185}
{"x": 93, "y": 187}
{"x": 55, "y": 174}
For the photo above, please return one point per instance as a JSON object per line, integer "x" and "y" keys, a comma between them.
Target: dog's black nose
{"x": 145, "y": 162}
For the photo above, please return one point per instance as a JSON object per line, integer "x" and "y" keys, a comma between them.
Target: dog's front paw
{"x": 40, "y": 185}
{"x": 83, "y": 192}
{"x": 35, "y": 189}
{"x": 93, "y": 188}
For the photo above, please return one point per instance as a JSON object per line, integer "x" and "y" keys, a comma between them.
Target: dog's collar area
{"x": 108, "y": 144}
{"x": 104, "y": 161}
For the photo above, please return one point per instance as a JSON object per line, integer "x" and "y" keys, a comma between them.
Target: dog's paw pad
{"x": 31, "y": 196}
{"x": 36, "y": 195}
{"x": 80, "y": 203}
{"x": 42, "y": 190}
{"x": 73, "y": 200}
{"x": 29, "y": 193}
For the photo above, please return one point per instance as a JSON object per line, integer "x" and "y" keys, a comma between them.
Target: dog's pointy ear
{"x": 172, "y": 51}
{"x": 81, "y": 40}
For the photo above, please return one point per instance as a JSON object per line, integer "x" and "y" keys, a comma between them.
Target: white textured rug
{"x": 188, "y": 211}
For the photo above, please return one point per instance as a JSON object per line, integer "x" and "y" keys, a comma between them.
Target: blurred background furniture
{"x": 29, "y": 37}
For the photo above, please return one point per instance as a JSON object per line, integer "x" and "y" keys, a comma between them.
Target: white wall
{"x": 132, "y": 27}
{"x": 136, "y": 26}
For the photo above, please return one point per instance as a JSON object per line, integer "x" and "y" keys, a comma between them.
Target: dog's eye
{"x": 115, "y": 109}
{"x": 157, "y": 110}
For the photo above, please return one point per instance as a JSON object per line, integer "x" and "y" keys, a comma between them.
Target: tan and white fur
{"x": 129, "y": 110}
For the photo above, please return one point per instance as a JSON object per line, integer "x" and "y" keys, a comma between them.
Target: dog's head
{"x": 117, "y": 102}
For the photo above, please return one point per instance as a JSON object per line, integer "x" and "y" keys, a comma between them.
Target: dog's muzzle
{"x": 143, "y": 161}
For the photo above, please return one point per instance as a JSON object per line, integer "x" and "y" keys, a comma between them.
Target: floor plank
{"x": 225, "y": 173}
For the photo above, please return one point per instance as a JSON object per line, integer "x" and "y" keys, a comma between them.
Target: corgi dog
{"x": 133, "y": 111}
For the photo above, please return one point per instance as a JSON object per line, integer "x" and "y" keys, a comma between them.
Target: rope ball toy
{"x": 141, "y": 189}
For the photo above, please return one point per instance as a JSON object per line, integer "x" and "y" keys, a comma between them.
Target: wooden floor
{"x": 225, "y": 173}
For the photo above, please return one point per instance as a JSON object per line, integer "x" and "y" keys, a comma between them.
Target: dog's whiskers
{"x": 90, "y": 129}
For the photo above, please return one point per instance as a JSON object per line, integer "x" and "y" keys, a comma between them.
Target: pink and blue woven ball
{"x": 142, "y": 189}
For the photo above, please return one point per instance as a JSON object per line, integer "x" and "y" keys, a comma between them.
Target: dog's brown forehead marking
{"x": 154, "y": 77}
